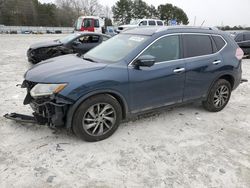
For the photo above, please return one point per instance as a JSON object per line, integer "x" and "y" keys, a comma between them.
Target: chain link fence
{"x": 34, "y": 30}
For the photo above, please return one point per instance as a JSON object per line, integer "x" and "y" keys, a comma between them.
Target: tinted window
{"x": 151, "y": 22}
{"x": 165, "y": 49}
{"x": 96, "y": 23}
{"x": 159, "y": 23}
{"x": 247, "y": 36}
{"x": 197, "y": 45}
{"x": 219, "y": 42}
{"x": 239, "y": 37}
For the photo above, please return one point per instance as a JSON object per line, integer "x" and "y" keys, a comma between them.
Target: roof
{"x": 152, "y": 30}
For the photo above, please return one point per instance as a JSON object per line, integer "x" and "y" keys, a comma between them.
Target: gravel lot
{"x": 181, "y": 147}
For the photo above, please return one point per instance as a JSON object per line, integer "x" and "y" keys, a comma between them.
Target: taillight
{"x": 239, "y": 54}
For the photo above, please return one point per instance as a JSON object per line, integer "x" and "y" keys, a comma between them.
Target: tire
{"x": 97, "y": 118}
{"x": 218, "y": 96}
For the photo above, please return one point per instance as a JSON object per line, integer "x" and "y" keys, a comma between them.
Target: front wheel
{"x": 218, "y": 96}
{"x": 97, "y": 118}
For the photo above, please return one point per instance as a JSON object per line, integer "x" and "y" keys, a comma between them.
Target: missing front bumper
{"x": 26, "y": 118}
{"x": 243, "y": 80}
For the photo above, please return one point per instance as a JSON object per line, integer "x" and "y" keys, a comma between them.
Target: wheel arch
{"x": 114, "y": 94}
{"x": 227, "y": 77}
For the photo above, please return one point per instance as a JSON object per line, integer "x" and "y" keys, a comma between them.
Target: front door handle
{"x": 216, "y": 62}
{"x": 178, "y": 70}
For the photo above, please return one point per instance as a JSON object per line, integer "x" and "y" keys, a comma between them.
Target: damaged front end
{"x": 49, "y": 108}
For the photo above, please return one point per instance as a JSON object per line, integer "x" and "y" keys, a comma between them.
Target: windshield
{"x": 87, "y": 22}
{"x": 134, "y": 22}
{"x": 116, "y": 48}
{"x": 68, "y": 38}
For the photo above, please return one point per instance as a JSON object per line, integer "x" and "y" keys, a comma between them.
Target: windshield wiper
{"x": 89, "y": 59}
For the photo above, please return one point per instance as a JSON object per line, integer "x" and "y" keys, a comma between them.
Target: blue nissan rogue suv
{"x": 136, "y": 71}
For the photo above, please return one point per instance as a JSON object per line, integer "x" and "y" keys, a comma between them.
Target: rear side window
{"x": 197, "y": 45}
{"x": 159, "y": 23}
{"x": 165, "y": 49}
{"x": 219, "y": 42}
{"x": 151, "y": 22}
{"x": 247, "y": 36}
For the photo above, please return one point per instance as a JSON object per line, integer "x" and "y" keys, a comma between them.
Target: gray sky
{"x": 214, "y": 12}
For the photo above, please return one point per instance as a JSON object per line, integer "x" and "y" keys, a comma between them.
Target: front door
{"x": 163, "y": 83}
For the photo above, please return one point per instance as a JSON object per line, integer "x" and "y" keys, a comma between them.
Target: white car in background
{"x": 140, "y": 22}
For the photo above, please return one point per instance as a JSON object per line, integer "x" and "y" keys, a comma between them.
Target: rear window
{"x": 159, "y": 23}
{"x": 219, "y": 42}
{"x": 197, "y": 45}
{"x": 151, "y": 22}
{"x": 247, "y": 36}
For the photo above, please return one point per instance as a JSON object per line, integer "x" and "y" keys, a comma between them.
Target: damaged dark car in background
{"x": 78, "y": 43}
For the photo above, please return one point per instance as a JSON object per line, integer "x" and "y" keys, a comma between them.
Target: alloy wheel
{"x": 221, "y": 96}
{"x": 99, "y": 119}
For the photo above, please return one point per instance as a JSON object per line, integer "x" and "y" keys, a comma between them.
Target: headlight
{"x": 46, "y": 89}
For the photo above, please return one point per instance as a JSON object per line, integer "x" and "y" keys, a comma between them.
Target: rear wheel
{"x": 218, "y": 96}
{"x": 97, "y": 118}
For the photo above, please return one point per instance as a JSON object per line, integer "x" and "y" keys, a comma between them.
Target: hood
{"x": 46, "y": 44}
{"x": 126, "y": 26}
{"x": 61, "y": 69}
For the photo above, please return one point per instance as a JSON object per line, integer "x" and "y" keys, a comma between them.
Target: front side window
{"x": 197, "y": 45}
{"x": 165, "y": 49}
{"x": 143, "y": 23}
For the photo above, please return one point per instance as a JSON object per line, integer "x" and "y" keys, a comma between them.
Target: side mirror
{"x": 145, "y": 61}
{"x": 75, "y": 43}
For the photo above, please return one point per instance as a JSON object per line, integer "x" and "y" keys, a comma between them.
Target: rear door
{"x": 202, "y": 64}
{"x": 163, "y": 83}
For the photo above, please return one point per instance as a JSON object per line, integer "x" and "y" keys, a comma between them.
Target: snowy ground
{"x": 182, "y": 147}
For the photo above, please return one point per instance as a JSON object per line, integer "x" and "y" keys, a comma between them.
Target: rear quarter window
{"x": 159, "y": 23}
{"x": 219, "y": 42}
{"x": 197, "y": 45}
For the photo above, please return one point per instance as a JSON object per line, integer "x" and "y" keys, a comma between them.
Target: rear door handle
{"x": 216, "y": 62}
{"x": 178, "y": 70}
